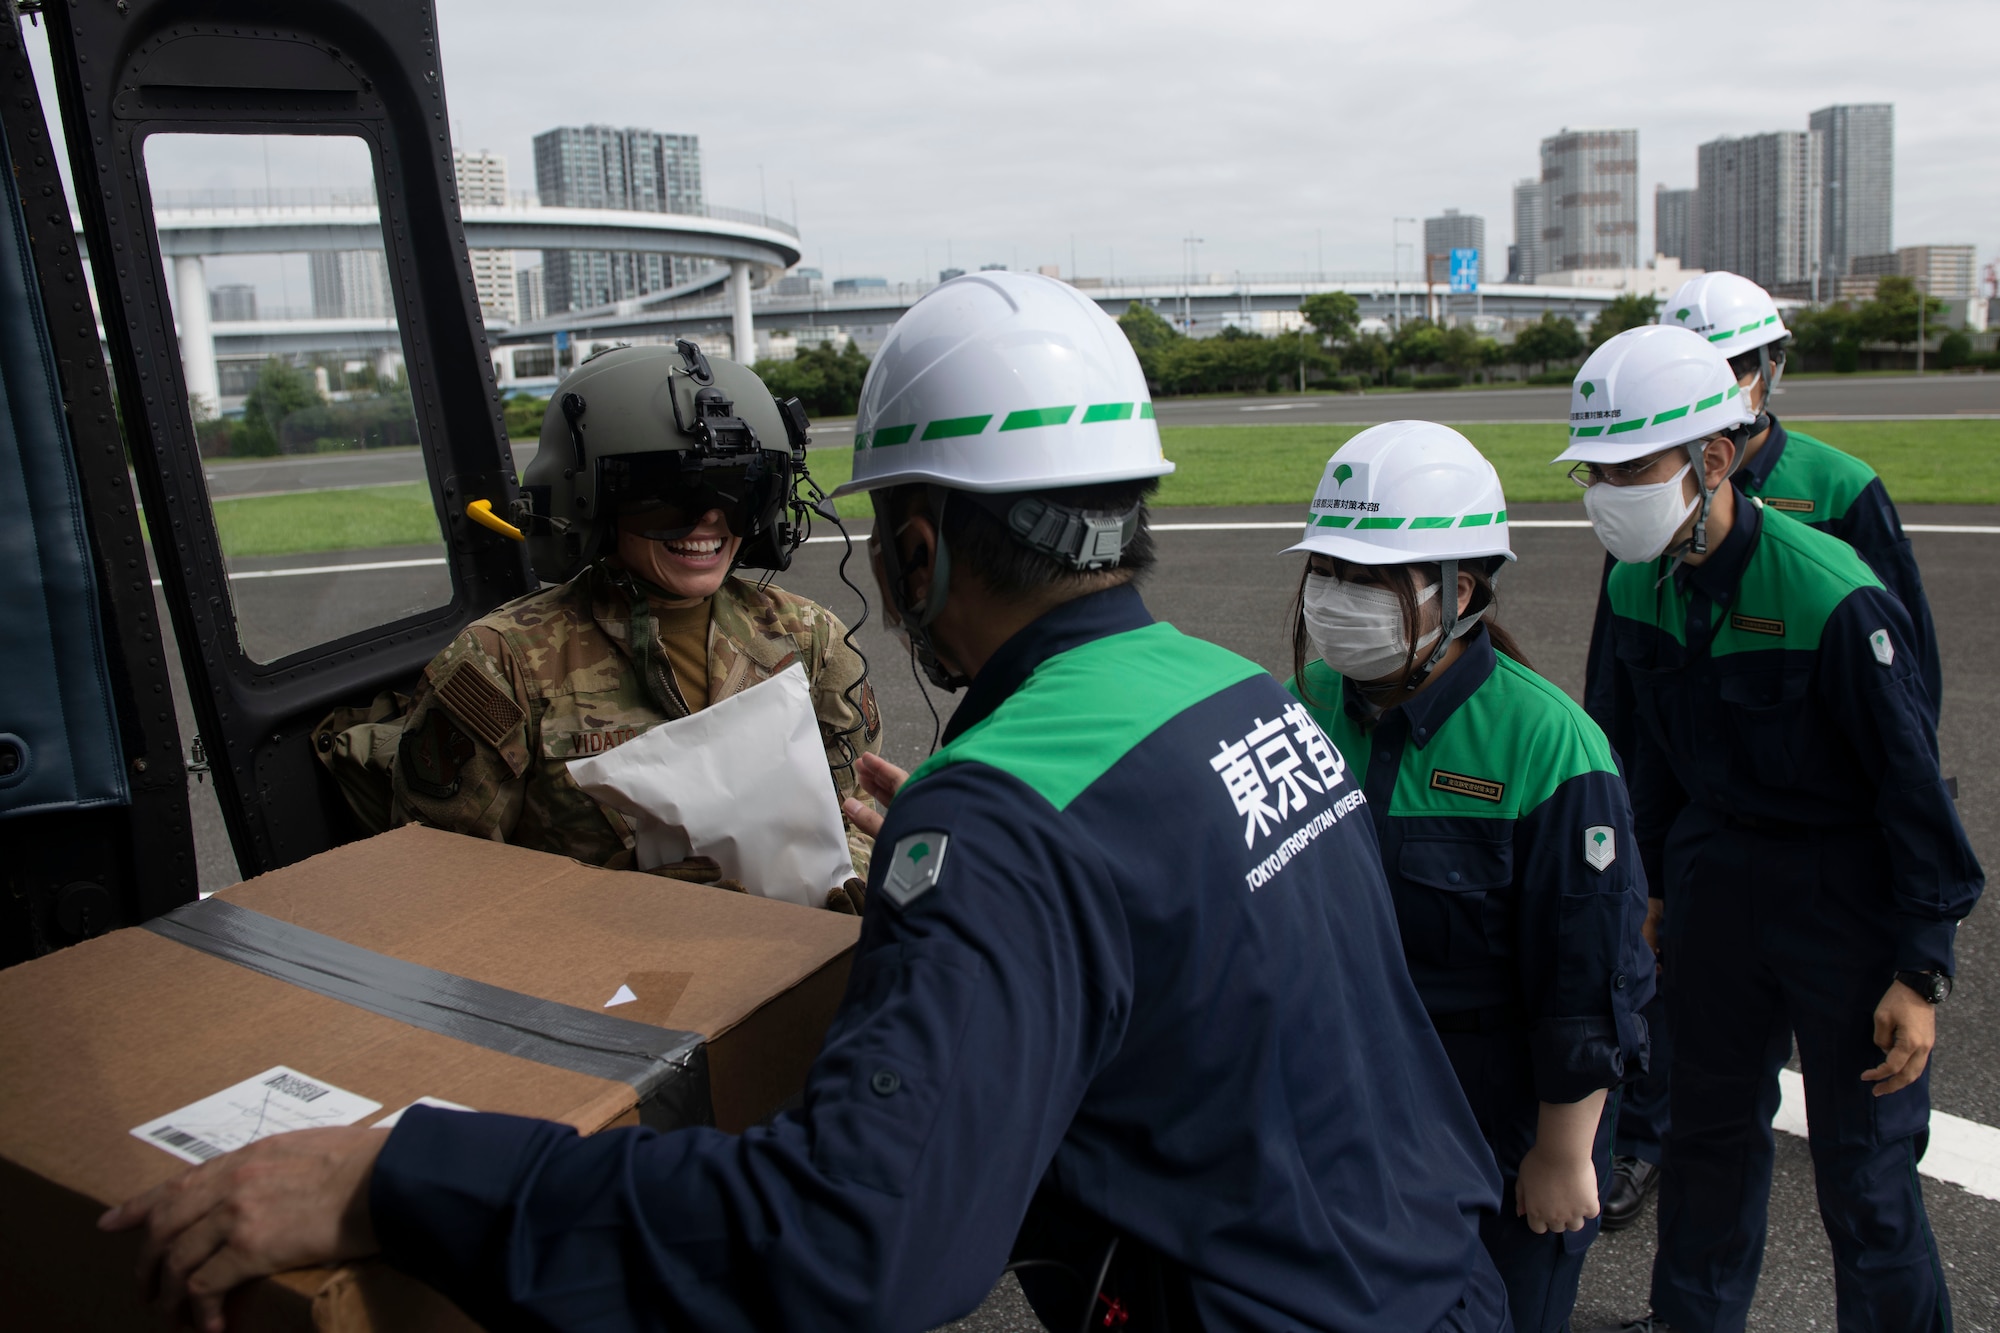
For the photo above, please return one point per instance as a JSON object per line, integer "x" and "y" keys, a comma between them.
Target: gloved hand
{"x": 848, "y": 899}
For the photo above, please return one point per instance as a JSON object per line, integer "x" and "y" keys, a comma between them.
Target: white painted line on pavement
{"x": 1962, "y": 1152}
{"x": 330, "y": 569}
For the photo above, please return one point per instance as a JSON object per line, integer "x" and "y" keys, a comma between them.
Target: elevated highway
{"x": 752, "y": 246}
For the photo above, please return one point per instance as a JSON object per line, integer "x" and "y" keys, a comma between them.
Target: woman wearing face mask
{"x": 1504, "y": 827}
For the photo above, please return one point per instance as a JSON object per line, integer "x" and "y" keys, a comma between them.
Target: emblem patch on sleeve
{"x": 479, "y": 704}
{"x": 914, "y": 867}
{"x": 1878, "y": 643}
{"x": 1600, "y": 846}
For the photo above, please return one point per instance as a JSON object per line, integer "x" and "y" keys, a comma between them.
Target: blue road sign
{"x": 1465, "y": 270}
{"x": 562, "y": 339}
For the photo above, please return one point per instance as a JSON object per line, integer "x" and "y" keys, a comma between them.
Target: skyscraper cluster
{"x": 1797, "y": 211}
{"x": 598, "y": 166}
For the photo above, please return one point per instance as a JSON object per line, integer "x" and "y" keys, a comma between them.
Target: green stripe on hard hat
{"x": 1378, "y": 521}
{"x": 1028, "y": 418}
{"x": 953, "y": 427}
{"x": 1025, "y": 419}
{"x": 1658, "y": 419}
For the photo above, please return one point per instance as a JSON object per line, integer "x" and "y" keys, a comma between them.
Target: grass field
{"x": 1921, "y": 462}
{"x": 1927, "y": 462}
{"x": 328, "y": 520}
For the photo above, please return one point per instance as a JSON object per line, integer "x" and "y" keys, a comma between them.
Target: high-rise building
{"x": 1676, "y": 229}
{"x": 529, "y": 303}
{"x": 1453, "y": 231}
{"x": 1759, "y": 206}
{"x": 1858, "y": 177}
{"x": 482, "y": 183}
{"x": 1947, "y": 272}
{"x": 597, "y": 166}
{"x": 481, "y": 176}
{"x": 1524, "y": 256}
{"x": 350, "y": 284}
{"x": 232, "y": 303}
{"x": 1590, "y": 189}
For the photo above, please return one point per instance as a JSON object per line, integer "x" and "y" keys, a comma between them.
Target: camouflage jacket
{"x": 554, "y": 676}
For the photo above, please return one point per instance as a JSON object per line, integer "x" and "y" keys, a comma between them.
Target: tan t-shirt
{"x": 684, "y": 636}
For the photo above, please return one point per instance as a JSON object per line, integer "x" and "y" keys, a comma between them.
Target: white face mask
{"x": 1635, "y": 523}
{"x": 1358, "y": 629}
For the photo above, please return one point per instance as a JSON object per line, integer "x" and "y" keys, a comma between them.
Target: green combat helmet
{"x": 664, "y": 429}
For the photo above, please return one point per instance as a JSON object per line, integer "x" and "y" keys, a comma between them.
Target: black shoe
{"x": 1631, "y": 1181}
{"x": 1651, "y": 1323}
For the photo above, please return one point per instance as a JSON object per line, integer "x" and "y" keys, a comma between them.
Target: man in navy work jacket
{"x": 1789, "y": 812}
{"x": 1128, "y": 998}
{"x": 1820, "y": 486}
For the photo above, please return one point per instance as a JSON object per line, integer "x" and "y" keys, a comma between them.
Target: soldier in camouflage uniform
{"x": 581, "y": 667}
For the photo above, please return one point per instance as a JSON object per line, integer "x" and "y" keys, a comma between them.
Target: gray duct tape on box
{"x": 668, "y": 1069}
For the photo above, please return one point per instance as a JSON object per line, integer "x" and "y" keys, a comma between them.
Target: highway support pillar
{"x": 204, "y": 384}
{"x": 744, "y": 333}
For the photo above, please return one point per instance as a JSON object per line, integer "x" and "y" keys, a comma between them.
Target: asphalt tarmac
{"x": 1233, "y": 586}
{"x": 1857, "y": 399}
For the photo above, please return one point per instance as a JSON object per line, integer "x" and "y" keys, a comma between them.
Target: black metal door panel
{"x": 368, "y": 69}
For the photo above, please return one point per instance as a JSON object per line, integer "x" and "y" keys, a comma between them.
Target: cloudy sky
{"x": 1285, "y": 135}
{"x": 1269, "y": 128}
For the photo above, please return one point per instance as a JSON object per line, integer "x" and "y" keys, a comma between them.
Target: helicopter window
{"x": 293, "y": 356}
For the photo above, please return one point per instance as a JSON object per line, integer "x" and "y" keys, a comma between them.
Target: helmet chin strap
{"x": 915, "y": 618}
{"x": 1447, "y": 625}
{"x": 1697, "y": 542}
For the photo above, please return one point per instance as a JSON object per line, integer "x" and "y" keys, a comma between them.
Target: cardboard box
{"x": 101, "y": 1038}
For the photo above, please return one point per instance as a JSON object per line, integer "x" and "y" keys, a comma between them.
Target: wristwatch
{"x": 1933, "y": 986}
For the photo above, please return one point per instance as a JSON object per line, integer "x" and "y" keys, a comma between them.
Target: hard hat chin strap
{"x": 1697, "y": 452}
{"x": 916, "y": 618}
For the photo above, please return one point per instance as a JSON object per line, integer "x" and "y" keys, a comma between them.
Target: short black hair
{"x": 982, "y": 546}
{"x": 1744, "y": 362}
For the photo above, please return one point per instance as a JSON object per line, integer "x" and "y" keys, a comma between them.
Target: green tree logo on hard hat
{"x": 1682, "y": 314}
{"x": 1586, "y": 389}
{"x": 1342, "y": 474}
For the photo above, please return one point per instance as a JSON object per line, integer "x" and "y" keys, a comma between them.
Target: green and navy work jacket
{"x": 1128, "y": 953}
{"x": 1507, "y": 836}
{"x": 1824, "y": 488}
{"x": 1776, "y": 685}
{"x": 1817, "y": 484}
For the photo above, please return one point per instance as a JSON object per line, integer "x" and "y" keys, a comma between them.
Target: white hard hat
{"x": 1005, "y": 382}
{"x": 1649, "y": 389}
{"x": 1407, "y": 491}
{"x": 1732, "y": 312}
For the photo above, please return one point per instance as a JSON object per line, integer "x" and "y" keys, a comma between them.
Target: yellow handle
{"x": 481, "y": 512}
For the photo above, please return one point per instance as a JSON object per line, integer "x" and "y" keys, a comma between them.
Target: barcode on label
{"x": 186, "y": 1142}
{"x": 294, "y": 1086}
